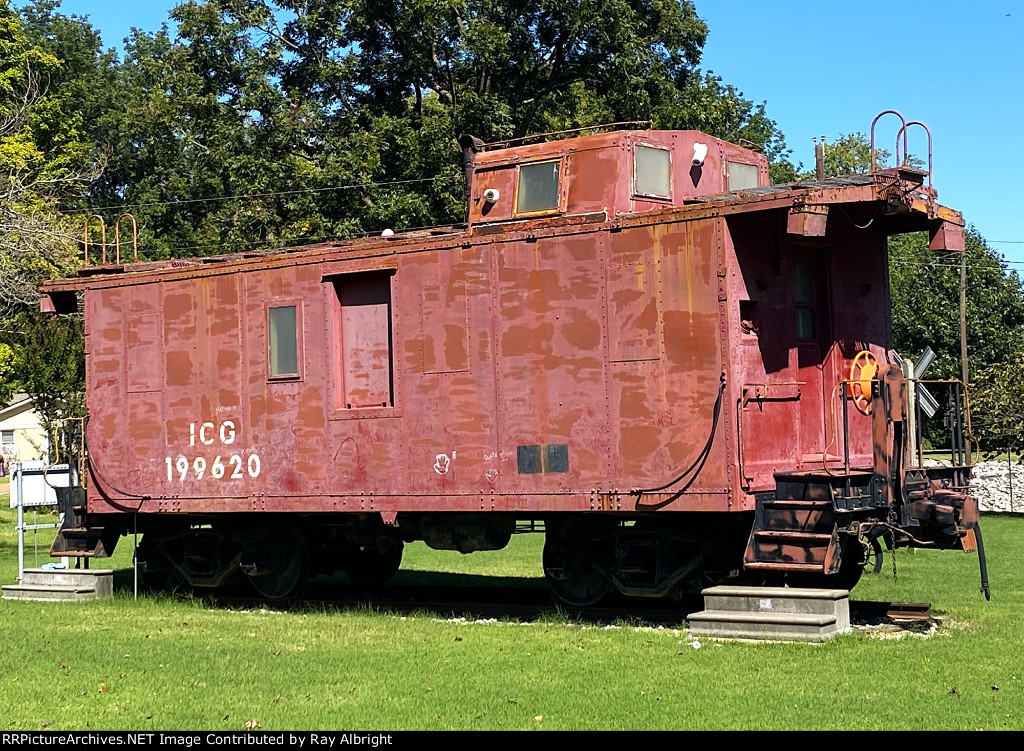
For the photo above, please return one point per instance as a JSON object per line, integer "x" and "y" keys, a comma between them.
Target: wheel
{"x": 156, "y": 572}
{"x": 374, "y": 563}
{"x": 285, "y": 548}
{"x": 167, "y": 581}
{"x": 851, "y": 567}
{"x": 862, "y": 371}
{"x": 569, "y": 553}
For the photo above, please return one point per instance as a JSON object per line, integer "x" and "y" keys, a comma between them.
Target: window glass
{"x": 284, "y": 344}
{"x": 7, "y": 436}
{"x": 802, "y": 291}
{"x": 538, "y": 187}
{"x": 803, "y": 296}
{"x": 805, "y": 322}
{"x": 653, "y": 167}
{"x": 742, "y": 176}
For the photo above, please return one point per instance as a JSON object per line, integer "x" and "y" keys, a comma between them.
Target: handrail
{"x": 903, "y": 130}
{"x": 117, "y": 237}
{"x": 906, "y": 155}
{"x": 103, "y": 239}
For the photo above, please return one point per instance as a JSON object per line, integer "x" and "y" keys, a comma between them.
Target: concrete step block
{"x": 54, "y": 593}
{"x": 772, "y": 613}
{"x": 100, "y": 580}
{"x": 835, "y": 602}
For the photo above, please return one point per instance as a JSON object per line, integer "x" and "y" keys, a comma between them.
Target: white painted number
{"x": 206, "y": 434}
{"x": 217, "y": 470}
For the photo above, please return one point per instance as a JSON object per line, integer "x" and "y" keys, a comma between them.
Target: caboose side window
{"x": 283, "y": 341}
{"x": 537, "y": 188}
{"x": 652, "y": 172}
{"x": 742, "y": 176}
{"x": 803, "y": 295}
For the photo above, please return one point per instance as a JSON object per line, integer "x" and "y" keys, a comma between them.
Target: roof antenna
{"x": 819, "y": 158}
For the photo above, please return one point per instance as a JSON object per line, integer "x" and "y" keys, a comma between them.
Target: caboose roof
{"x": 896, "y": 197}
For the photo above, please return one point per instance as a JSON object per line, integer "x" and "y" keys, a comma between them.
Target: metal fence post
{"x": 17, "y": 479}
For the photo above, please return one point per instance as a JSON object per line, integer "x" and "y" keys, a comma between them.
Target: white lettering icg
{"x": 207, "y": 432}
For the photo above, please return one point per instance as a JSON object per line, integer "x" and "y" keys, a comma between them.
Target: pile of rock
{"x": 998, "y": 486}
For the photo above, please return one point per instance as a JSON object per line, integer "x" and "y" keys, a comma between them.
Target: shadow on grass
{"x": 437, "y": 594}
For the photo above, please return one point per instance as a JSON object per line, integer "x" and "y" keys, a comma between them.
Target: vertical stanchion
{"x": 16, "y": 476}
{"x": 135, "y": 554}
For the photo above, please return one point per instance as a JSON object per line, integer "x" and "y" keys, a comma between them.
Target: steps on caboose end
{"x": 772, "y": 613}
{"x": 63, "y": 585}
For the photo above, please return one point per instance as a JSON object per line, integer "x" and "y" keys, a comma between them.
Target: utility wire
{"x": 270, "y": 194}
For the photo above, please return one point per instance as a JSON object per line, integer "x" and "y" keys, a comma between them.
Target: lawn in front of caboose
{"x": 161, "y": 663}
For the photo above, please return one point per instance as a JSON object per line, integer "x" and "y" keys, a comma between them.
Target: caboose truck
{"x": 684, "y": 372}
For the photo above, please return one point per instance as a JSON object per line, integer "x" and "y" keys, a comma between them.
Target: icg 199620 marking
{"x": 229, "y": 467}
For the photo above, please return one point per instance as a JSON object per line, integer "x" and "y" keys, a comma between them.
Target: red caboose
{"x": 683, "y": 371}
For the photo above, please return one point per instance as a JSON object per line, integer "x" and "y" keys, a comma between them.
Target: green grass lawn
{"x": 182, "y": 664}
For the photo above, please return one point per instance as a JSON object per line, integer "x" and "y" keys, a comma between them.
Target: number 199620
{"x": 219, "y": 469}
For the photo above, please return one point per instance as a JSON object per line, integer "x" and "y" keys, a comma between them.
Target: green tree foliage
{"x": 8, "y": 369}
{"x": 263, "y": 123}
{"x": 51, "y": 368}
{"x": 46, "y": 161}
{"x": 926, "y": 304}
{"x": 998, "y": 405}
{"x": 850, "y": 154}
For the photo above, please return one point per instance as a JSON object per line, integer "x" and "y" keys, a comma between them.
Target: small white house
{"x": 22, "y": 437}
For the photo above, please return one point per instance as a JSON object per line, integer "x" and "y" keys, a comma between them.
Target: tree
{"x": 998, "y": 405}
{"x": 925, "y": 299}
{"x": 925, "y": 304}
{"x": 51, "y": 368}
{"x": 271, "y": 122}
{"x": 46, "y": 161}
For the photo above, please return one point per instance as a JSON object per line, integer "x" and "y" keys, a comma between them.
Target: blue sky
{"x": 828, "y": 68}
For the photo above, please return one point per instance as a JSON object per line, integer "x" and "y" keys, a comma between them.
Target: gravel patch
{"x": 998, "y": 487}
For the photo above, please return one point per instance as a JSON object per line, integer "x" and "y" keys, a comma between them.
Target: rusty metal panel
{"x": 451, "y": 434}
{"x": 445, "y": 333}
{"x": 634, "y": 322}
{"x": 662, "y": 411}
{"x": 809, "y": 221}
{"x": 550, "y": 362}
{"x": 793, "y": 390}
{"x": 143, "y": 343}
{"x": 946, "y": 236}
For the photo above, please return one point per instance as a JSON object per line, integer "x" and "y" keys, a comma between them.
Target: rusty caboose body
{"x": 635, "y": 339}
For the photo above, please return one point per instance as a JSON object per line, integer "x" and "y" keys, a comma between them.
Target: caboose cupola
{"x": 618, "y": 172}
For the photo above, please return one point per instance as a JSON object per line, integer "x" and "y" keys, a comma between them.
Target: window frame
{"x": 729, "y": 163}
{"x": 299, "y": 340}
{"x": 559, "y": 206}
{"x": 330, "y": 274}
{"x": 671, "y": 179}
